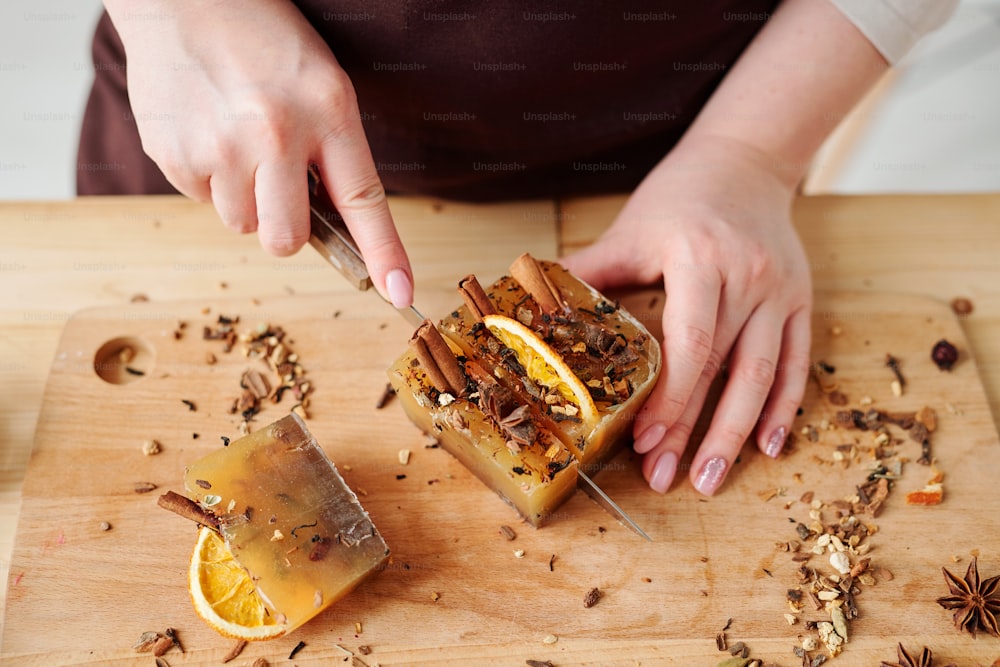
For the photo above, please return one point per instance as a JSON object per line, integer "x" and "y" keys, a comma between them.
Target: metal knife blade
{"x": 330, "y": 237}
{"x": 588, "y": 486}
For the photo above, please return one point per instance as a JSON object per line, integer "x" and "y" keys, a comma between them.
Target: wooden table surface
{"x": 58, "y": 258}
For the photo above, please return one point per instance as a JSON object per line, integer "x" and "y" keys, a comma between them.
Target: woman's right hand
{"x": 234, "y": 101}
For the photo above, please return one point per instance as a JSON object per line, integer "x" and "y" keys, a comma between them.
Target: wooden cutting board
{"x": 455, "y": 592}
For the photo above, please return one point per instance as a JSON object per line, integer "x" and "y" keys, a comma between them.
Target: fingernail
{"x": 649, "y": 438}
{"x": 663, "y": 472}
{"x": 399, "y": 287}
{"x": 711, "y": 475}
{"x": 775, "y": 442}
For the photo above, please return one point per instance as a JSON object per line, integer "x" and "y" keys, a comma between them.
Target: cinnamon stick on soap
{"x": 475, "y": 297}
{"x": 527, "y": 272}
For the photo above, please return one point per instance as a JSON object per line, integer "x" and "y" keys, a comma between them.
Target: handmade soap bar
{"x": 288, "y": 517}
{"x": 532, "y": 379}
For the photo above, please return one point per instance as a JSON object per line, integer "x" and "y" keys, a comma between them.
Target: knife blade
{"x": 597, "y": 494}
{"x": 330, "y": 236}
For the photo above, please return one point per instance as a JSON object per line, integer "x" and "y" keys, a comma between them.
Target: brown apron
{"x": 485, "y": 100}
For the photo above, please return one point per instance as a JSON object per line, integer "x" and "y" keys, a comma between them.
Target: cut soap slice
{"x": 288, "y": 518}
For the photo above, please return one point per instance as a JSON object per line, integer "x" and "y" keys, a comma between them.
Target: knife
{"x": 330, "y": 236}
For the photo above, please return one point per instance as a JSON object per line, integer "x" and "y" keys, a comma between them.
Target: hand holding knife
{"x": 333, "y": 240}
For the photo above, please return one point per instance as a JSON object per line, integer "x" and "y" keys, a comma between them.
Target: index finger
{"x": 356, "y": 190}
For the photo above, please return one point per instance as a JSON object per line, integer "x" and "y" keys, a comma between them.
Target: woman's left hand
{"x": 713, "y": 221}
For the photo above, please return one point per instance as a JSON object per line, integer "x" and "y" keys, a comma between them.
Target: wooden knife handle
{"x": 330, "y": 236}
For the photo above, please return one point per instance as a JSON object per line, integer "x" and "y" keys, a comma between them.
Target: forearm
{"x": 798, "y": 78}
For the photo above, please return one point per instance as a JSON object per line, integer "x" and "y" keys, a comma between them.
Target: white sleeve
{"x": 894, "y": 26}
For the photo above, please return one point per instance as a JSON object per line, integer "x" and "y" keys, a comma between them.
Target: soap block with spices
{"x": 289, "y": 518}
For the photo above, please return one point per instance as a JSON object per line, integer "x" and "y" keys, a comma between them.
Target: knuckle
{"x": 693, "y": 342}
{"x": 284, "y": 240}
{"x": 757, "y": 373}
{"x": 731, "y": 432}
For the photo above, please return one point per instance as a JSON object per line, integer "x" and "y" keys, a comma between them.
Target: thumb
{"x": 606, "y": 264}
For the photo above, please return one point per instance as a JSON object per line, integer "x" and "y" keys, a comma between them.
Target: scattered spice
{"x": 976, "y": 602}
{"x": 592, "y": 597}
{"x": 892, "y": 363}
{"x": 295, "y": 651}
{"x": 146, "y": 641}
{"x": 151, "y": 447}
{"x": 190, "y": 405}
{"x": 552, "y": 561}
{"x": 906, "y": 659}
{"x": 961, "y": 306}
{"x": 143, "y": 487}
{"x": 404, "y": 456}
{"x": 160, "y": 662}
{"x": 435, "y": 596}
{"x": 944, "y": 355}
{"x": 508, "y": 532}
{"x": 387, "y": 395}
{"x": 235, "y": 650}
{"x": 538, "y": 663}
{"x": 550, "y": 639}
{"x": 260, "y": 662}
{"x": 364, "y": 649}
{"x": 104, "y": 525}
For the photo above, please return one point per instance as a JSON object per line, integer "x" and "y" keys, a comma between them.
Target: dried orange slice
{"x": 224, "y": 594}
{"x": 544, "y": 365}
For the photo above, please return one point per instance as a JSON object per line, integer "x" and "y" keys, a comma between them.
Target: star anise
{"x": 976, "y": 603}
{"x": 924, "y": 659}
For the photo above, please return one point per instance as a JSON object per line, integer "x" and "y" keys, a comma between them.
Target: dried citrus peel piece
{"x": 224, "y": 595}
{"x": 544, "y": 365}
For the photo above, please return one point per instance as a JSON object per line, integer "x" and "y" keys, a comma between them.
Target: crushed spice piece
{"x": 961, "y": 306}
{"x": 143, "y": 487}
{"x": 592, "y": 597}
{"x": 387, "y": 395}
{"x": 295, "y": 651}
{"x": 151, "y": 447}
{"x": 235, "y": 651}
{"x": 364, "y": 649}
{"x": 538, "y": 663}
{"x": 190, "y": 405}
{"x": 943, "y": 354}
{"x": 508, "y": 532}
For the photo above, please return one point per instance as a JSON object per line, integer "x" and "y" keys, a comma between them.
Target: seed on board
{"x": 150, "y": 447}
{"x": 840, "y": 562}
{"x": 592, "y": 597}
{"x": 104, "y": 525}
{"x": 519, "y": 553}
{"x": 404, "y": 456}
{"x": 508, "y": 532}
{"x": 550, "y": 639}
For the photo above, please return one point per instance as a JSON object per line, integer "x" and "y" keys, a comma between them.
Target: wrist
{"x": 724, "y": 156}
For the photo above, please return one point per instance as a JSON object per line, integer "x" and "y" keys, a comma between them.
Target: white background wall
{"x": 932, "y": 125}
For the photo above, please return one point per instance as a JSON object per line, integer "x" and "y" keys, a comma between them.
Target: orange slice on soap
{"x": 544, "y": 365}
{"x": 224, "y": 594}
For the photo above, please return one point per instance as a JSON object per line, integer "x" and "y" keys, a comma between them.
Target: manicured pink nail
{"x": 663, "y": 472}
{"x": 649, "y": 438}
{"x": 711, "y": 475}
{"x": 399, "y": 287}
{"x": 776, "y": 442}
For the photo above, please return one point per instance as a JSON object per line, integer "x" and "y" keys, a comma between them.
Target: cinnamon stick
{"x": 526, "y": 271}
{"x": 438, "y": 360}
{"x": 475, "y": 297}
{"x": 187, "y": 508}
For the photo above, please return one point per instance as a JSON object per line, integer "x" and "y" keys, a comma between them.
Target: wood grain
{"x": 101, "y": 589}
